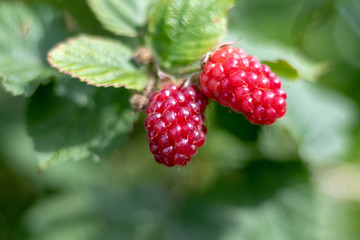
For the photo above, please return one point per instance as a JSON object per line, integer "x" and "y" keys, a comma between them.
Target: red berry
{"x": 175, "y": 124}
{"x": 241, "y": 82}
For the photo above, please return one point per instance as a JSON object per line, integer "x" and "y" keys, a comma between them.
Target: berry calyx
{"x": 175, "y": 124}
{"x": 241, "y": 82}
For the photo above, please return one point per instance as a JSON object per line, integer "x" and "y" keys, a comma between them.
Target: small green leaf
{"x": 121, "y": 17}
{"x": 282, "y": 68}
{"x": 25, "y": 36}
{"x": 183, "y": 30}
{"x": 89, "y": 126}
{"x": 97, "y": 61}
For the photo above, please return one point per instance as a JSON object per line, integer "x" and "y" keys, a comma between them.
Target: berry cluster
{"x": 175, "y": 115}
{"x": 240, "y": 81}
{"x": 175, "y": 124}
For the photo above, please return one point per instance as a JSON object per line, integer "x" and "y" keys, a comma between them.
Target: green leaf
{"x": 25, "y": 36}
{"x": 282, "y": 68}
{"x": 22, "y": 79}
{"x": 121, "y": 17}
{"x": 65, "y": 128}
{"x": 320, "y": 121}
{"x": 183, "y": 30}
{"x": 97, "y": 61}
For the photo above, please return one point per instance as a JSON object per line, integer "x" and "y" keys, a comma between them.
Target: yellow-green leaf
{"x": 97, "y": 61}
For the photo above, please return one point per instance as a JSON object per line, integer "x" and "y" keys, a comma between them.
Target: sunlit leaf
{"x": 183, "y": 30}
{"x": 97, "y": 61}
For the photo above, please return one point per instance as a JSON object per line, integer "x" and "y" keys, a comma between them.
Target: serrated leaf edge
{"x": 82, "y": 79}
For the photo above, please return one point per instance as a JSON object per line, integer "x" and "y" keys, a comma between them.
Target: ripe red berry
{"x": 175, "y": 124}
{"x": 241, "y": 82}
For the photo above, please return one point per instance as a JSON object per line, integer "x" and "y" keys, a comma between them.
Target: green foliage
{"x": 24, "y": 41}
{"x": 320, "y": 121}
{"x": 98, "y": 62}
{"x": 282, "y": 68}
{"x": 121, "y": 17}
{"x": 272, "y": 219}
{"x": 183, "y": 30}
{"x": 287, "y": 62}
{"x": 350, "y": 12}
{"x": 89, "y": 127}
{"x": 296, "y": 179}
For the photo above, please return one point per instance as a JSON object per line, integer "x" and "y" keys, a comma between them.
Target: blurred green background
{"x": 297, "y": 179}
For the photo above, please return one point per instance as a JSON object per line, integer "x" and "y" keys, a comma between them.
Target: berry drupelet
{"x": 241, "y": 82}
{"x": 175, "y": 124}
